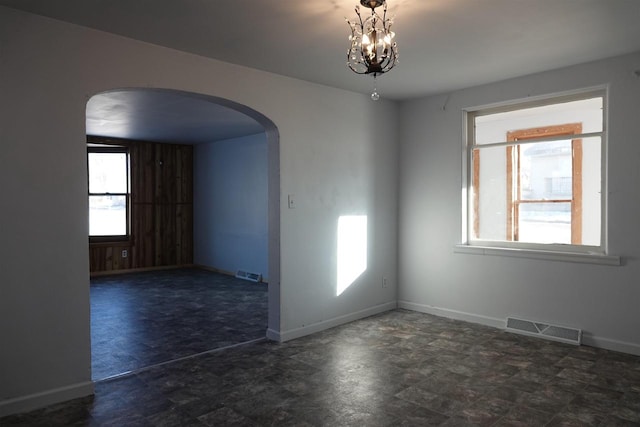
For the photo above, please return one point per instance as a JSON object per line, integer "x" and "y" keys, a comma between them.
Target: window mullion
{"x": 540, "y": 139}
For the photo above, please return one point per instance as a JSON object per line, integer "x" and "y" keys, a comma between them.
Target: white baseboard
{"x": 587, "y": 339}
{"x": 138, "y": 270}
{"x": 329, "y": 323}
{"x": 214, "y": 270}
{"x": 45, "y": 398}
{"x": 264, "y": 280}
{"x": 609, "y": 344}
{"x": 273, "y": 335}
{"x": 453, "y": 314}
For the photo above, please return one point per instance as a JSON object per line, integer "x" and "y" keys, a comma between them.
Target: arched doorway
{"x": 169, "y": 116}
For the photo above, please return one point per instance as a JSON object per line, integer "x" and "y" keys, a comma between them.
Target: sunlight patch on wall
{"x": 352, "y": 250}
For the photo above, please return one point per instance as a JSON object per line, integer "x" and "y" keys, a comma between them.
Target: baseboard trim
{"x": 264, "y": 280}
{"x": 45, "y": 398}
{"x": 453, "y": 314}
{"x": 273, "y": 335}
{"x": 329, "y": 323}
{"x": 138, "y": 270}
{"x": 214, "y": 270}
{"x": 587, "y": 338}
{"x": 609, "y": 344}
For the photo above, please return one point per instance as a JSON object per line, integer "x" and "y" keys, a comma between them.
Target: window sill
{"x": 600, "y": 259}
{"x": 109, "y": 241}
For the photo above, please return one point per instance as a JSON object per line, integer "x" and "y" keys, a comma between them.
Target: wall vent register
{"x": 544, "y": 330}
{"x": 245, "y": 275}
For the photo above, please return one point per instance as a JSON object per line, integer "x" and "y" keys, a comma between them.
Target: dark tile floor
{"x": 143, "y": 319}
{"x": 397, "y": 368}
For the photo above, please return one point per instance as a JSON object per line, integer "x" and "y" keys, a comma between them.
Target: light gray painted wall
{"x": 602, "y": 300}
{"x": 335, "y": 155}
{"x": 230, "y": 205}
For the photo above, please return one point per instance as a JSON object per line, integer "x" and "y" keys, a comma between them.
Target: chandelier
{"x": 373, "y": 49}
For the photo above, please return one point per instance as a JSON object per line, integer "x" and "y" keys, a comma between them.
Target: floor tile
{"x": 143, "y": 319}
{"x": 378, "y": 371}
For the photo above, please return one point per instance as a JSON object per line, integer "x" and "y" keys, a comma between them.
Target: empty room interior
{"x": 231, "y": 213}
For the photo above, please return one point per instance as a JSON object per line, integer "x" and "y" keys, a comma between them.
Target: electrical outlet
{"x": 384, "y": 282}
{"x": 125, "y": 253}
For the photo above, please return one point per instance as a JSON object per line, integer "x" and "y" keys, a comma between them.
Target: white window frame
{"x": 107, "y": 148}
{"x": 555, "y": 252}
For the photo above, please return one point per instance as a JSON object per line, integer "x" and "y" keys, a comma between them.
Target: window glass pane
{"x": 492, "y": 128}
{"x": 591, "y": 191}
{"x": 490, "y": 194}
{"x": 505, "y": 208}
{"x": 107, "y": 215}
{"x": 546, "y": 170}
{"x": 107, "y": 172}
{"x": 545, "y": 223}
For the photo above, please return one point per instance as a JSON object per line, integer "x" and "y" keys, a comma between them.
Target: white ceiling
{"x": 165, "y": 116}
{"x": 444, "y": 44}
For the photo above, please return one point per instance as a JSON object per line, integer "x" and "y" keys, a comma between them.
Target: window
{"x": 535, "y": 175}
{"x": 108, "y": 170}
{"x": 545, "y": 206}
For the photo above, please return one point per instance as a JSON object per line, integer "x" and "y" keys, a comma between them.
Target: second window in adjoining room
{"x": 108, "y": 170}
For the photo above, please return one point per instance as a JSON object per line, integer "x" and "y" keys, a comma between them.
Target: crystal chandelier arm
{"x": 384, "y": 16}
{"x": 352, "y": 24}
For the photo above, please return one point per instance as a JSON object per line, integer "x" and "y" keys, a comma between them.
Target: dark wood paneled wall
{"x": 161, "y": 209}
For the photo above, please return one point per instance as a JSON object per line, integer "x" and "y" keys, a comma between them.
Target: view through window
{"x": 536, "y": 173}
{"x": 108, "y": 170}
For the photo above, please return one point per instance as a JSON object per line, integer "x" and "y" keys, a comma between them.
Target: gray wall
{"x": 230, "y": 205}
{"x": 332, "y": 152}
{"x": 602, "y": 300}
